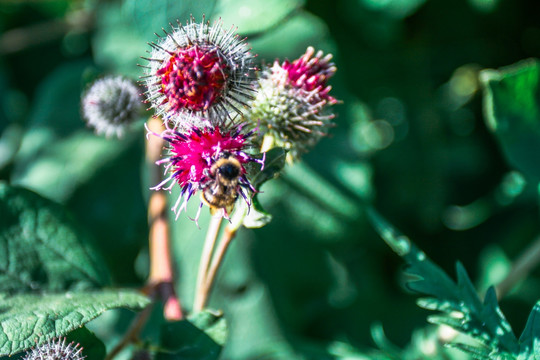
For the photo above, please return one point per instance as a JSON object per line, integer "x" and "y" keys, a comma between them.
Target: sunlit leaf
{"x": 28, "y": 319}
{"x": 253, "y": 16}
{"x": 149, "y": 16}
{"x": 458, "y": 301}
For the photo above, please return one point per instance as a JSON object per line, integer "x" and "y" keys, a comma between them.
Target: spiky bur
{"x": 111, "y": 104}
{"x": 201, "y": 70}
{"x": 210, "y": 160}
{"x": 56, "y": 349}
{"x": 292, "y": 105}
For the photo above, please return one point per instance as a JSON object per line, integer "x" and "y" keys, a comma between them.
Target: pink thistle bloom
{"x": 311, "y": 73}
{"x": 198, "y": 70}
{"x": 210, "y": 160}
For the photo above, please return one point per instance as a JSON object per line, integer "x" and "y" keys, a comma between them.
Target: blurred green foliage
{"x": 410, "y": 140}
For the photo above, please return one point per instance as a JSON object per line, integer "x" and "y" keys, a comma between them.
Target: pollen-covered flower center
{"x": 193, "y": 78}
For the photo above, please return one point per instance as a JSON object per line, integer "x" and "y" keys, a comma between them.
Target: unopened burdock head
{"x": 111, "y": 104}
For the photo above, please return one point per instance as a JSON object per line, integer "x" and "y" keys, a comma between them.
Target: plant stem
{"x": 226, "y": 239}
{"x": 521, "y": 268}
{"x": 161, "y": 273}
{"x": 161, "y": 279}
{"x": 209, "y": 244}
{"x": 228, "y": 235}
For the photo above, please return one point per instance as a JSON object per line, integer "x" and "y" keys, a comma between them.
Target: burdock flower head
{"x": 291, "y": 107}
{"x": 201, "y": 70}
{"x": 208, "y": 159}
{"x": 111, "y": 104}
{"x": 56, "y": 350}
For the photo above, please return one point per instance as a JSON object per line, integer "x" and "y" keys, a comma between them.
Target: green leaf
{"x": 201, "y": 336}
{"x": 27, "y": 319}
{"x": 512, "y": 112}
{"x": 150, "y": 16}
{"x": 459, "y": 303}
{"x": 212, "y": 323}
{"x": 256, "y": 216}
{"x": 255, "y": 16}
{"x": 529, "y": 341}
{"x": 427, "y": 278}
{"x": 274, "y": 161}
{"x": 41, "y": 246}
{"x": 475, "y": 352}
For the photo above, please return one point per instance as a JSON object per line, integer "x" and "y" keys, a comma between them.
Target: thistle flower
{"x": 110, "y": 105}
{"x": 201, "y": 70}
{"x": 56, "y": 350}
{"x": 291, "y": 107}
{"x": 210, "y": 160}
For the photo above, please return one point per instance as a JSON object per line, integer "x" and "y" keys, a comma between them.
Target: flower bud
{"x": 111, "y": 104}
{"x": 292, "y": 105}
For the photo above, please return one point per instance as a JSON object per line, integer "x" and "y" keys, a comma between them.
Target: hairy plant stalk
{"x": 523, "y": 265}
{"x": 209, "y": 244}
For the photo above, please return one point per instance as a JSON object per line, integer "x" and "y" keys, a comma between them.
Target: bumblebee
{"x": 221, "y": 191}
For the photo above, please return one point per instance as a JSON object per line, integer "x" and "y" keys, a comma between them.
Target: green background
{"x": 411, "y": 139}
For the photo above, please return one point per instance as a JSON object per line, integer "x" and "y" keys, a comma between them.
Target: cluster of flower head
{"x": 56, "y": 350}
{"x": 202, "y": 82}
